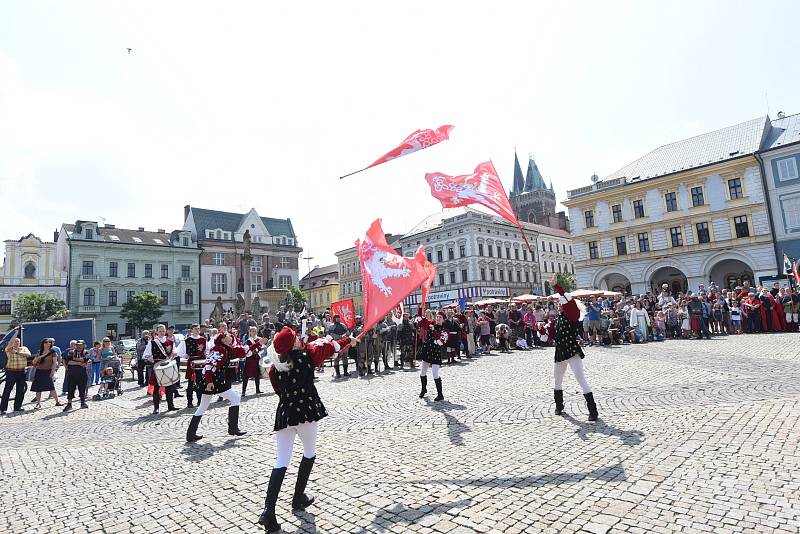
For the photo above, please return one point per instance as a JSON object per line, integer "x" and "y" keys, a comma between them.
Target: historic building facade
{"x": 683, "y": 214}
{"x": 350, "y": 273}
{"x": 532, "y": 200}
{"x": 108, "y": 265}
{"x": 224, "y": 273}
{"x": 29, "y": 267}
{"x": 321, "y": 287}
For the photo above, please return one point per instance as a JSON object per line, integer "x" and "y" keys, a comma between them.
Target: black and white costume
{"x": 431, "y": 353}
{"x": 194, "y": 348}
{"x": 159, "y": 349}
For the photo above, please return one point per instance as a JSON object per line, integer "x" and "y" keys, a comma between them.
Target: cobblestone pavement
{"x": 694, "y": 437}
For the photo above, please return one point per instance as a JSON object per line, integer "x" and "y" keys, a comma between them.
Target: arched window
{"x": 188, "y": 297}
{"x": 88, "y": 297}
{"x": 219, "y": 234}
{"x": 30, "y": 270}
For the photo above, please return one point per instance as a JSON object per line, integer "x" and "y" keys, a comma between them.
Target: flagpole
{"x": 355, "y": 172}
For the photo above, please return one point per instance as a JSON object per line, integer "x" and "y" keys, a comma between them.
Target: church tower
{"x": 532, "y": 200}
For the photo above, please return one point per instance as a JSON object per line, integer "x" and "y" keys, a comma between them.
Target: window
{"x": 113, "y": 269}
{"x": 697, "y": 196}
{"x": 787, "y": 170}
{"x": 551, "y": 246}
{"x": 429, "y": 257}
{"x": 492, "y": 274}
{"x": 89, "y": 233}
{"x": 519, "y": 276}
{"x": 559, "y": 266}
{"x": 452, "y": 277}
{"x": 88, "y": 297}
{"x": 112, "y": 298}
{"x": 164, "y": 298}
{"x": 622, "y": 246}
{"x": 593, "y": 250}
{"x": 480, "y": 249}
{"x": 483, "y": 277}
{"x": 616, "y": 213}
{"x": 219, "y": 258}
{"x": 188, "y": 297}
{"x": 256, "y": 282}
{"x": 30, "y": 270}
{"x": 791, "y": 210}
{"x": 5, "y": 307}
{"x": 543, "y": 247}
{"x": 186, "y": 271}
{"x": 570, "y": 250}
{"x": 516, "y": 253}
{"x": 441, "y": 279}
{"x": 740, "y": 223}
{"x": 111, "y": 330}
{"x": 256, "y": 264}
{"x": 508, "y": 253}
{"x": 527, "y": 276}
{"x": 439, "y": 256}
{"x": 644, "y": 242}
{"x": 525, "y": 254}
{"x": 218, "y": 283}
{"x": 148, "y": 270}
{"x": 129, "y": 296}
{"x": 671, "y": 200}
{"x": 114, "y": 237}
{"x": 462, "y": 251}
{"x": 185, "y": 241}
{"x": 588, "y": 216}
{"x": 638, "y": 209}
{"x": 735, "y": 188}
{"x": 285, "y": 263}
{"x": 675, "y": 236}
{"x": 164, "y": 270}
{"x": 464, "y": 277}
{"x": 552, "y": 267}
{"x": 88, "y": 268}
{"x": 284, "y": 281}
{"x": 137, "y": 239}
{"x": 491, "y": 251}
{"x": 502, "y": 275}
{"x": 702, "y": 233}
{"x": 451, "y": 254}
{"x": 131, "y": 270}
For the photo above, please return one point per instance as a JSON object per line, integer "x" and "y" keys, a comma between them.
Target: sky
{"x": 239, "y": 104}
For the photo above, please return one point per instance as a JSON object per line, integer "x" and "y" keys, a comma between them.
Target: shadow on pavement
{"x": 391, "y": 516}
{"x": 627, "y": 437}
{"x": 198, "y": 452}
{"x": 455, "y": 428}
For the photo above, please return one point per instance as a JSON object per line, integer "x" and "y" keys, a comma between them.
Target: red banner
{"x": 345, "y": 309}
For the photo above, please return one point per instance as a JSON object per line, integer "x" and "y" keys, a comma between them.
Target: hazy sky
{"x": 233, "y": 105}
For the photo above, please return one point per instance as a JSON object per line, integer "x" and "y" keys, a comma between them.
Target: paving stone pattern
{"x": 694, "y": 437}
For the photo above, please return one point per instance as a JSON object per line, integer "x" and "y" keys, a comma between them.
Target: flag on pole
{"x": 345, "y": 309}
{"x": 430, "y": 269}
{"x": 386, "y": 277}
{"x": 416, "y": 141}
{"x": 482, "y": 187}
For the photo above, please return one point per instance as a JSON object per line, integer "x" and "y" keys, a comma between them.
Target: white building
{"x": 479, "y": 255}
{"x": 683, "y": 214}
{"x": 30, "y": 267}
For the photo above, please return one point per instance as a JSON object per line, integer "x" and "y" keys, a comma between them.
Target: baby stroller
{"x": 110, "y": 382}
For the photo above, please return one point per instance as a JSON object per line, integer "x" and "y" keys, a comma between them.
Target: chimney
{"x": 55, "y": 236}
{"x": 141, "y": 228}
{"x": 161, "y": 231}
{"x": 186, "y": 209}
{"x": 111, "y": 226}
{"x": 781, "y": 115}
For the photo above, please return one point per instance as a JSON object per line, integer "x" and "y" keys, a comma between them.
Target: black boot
{"x": 344, "y": 368}
{"x": 424, "y": 381}
{"x": 591, "y": 406}
{"x": 156, "y": 400}
{"x": 558, "y": 396}
{"x": 301, "y": 501}
{"x": 244, "y": 385}
{"x": 233, "y": 422}
{"x": 190, "y": 395}
{"x": 170, "y": 404}
{"x": 191, "y": 433}
{"x": 438, "y": 382}
{"x": 386, "y": 363}
{"x": 267, "y": 518}
{"x": 338, "y": 373}
{"x": 258, "y": 385}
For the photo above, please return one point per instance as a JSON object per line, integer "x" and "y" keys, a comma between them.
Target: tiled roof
{"x": 121, "y": 235}
{"x": 212, "y": 219}
{"x": 321, "y": 277}
{"x": 321, "y": 271}
{"x": 713, "y": 147}
{"x": 784, "y": 132}
{"x": 433, "y": 221}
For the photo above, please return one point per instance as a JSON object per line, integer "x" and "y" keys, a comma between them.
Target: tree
{"x": 143, "y": 310}
{"x": 37, "y": 307}
{"x": 566, "y": 281}
{"x": 295, "y": 297}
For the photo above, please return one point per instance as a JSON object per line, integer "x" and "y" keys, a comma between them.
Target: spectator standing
{"x": 18, "y": 356}
{"x": 46, "y": 363}
{"x": 142, "y": 368}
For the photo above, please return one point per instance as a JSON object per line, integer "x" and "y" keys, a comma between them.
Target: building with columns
{"x": 29, "y": 267}
{"x": 683, "y": 214}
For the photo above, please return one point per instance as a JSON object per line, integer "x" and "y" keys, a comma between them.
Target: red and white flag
{"x": 428, "y": 282}
{"x": 386, "y": 276}
{"x": 345, "y": 309}
{"x": 483, "y": 187}
{"x": 416, "y": 141}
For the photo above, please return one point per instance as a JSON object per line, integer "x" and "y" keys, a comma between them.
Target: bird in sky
{"x": 129, "y": 51}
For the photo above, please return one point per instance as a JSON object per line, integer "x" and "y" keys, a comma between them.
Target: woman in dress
{"x": 298, "y": 413}
{"x": 431, "y": 351}
{"x": 46, "y": 363}
{"x": 252, "y": 345}
{"x": 569, "y": 352}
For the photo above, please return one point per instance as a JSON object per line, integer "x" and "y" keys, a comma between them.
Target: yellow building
{"x": 350, "y": 273}
{"x": 321, "y": 287}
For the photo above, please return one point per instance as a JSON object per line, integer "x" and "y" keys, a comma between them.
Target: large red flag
{"x": 483, "y": 187}
{"x": 416, "y": 141}
{"x": 386, "y": 276}
{"x": 345, "y": 309}
{"x": 428, "y": 282}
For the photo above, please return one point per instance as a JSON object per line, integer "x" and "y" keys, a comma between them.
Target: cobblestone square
{"x": 693, "y": 437}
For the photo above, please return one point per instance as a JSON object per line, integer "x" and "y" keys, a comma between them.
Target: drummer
{"x": 194, "y": 348}
{"x": 253, "y": 345}
{"x": 159, "y": 349}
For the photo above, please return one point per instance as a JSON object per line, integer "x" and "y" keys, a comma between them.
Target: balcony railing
{"x": 88, "y": 309}
{"x": 189, "y": 307}
{"x": 599, "y": 186}
{"x": 187, "y": 279}
{"x": 90, "y": 277}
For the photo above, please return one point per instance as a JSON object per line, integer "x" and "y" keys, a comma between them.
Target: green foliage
{"x": 566, "y": 281}
{"x": 37, "y": 307}
{"x": 296, "y": 298}
{"x": 143, "y": 310}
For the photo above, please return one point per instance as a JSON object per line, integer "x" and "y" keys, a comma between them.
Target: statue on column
{"x": 247, "y": 258}
{"x": 218, "y": 313}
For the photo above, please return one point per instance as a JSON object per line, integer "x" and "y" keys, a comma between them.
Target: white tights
{"x": 230, "y": 395}
{"x": 284, "y": 439}
{"x": 423, "y": 369}
{"x": 576, "y": 364}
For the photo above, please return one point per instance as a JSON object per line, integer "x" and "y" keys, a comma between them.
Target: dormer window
{"x": 89, "y": 233}
{"x": 185, "y": 241}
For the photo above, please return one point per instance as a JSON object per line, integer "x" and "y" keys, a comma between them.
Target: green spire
{"x": 519, "y": 182}
{"x": 533, "y": 178}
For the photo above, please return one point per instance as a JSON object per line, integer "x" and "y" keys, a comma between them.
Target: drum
{"x": 166, "y": 372}
{"x": 264, "y": 365}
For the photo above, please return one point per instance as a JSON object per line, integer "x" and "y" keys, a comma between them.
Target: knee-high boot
{"x": 170, "y": 393}
{"x": 191, "y": 433}
{"x": 591, "y": 406}
{"x": 233, "y": 422}
{"x": 438, "y": 382}
{"x": 424, "y": 381}
{"x": 338, "y": 372}
{"x": 190, "y": 394}
{"x": 244, "y": 385}
{"x": 258, "y": 384}
{"x": 301, "y": 501}
{"x": 267, "y": 518}
{"x": 558, "y": 396}
{"x": 156, "y": 399}
{"x": 386, "y": 362}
